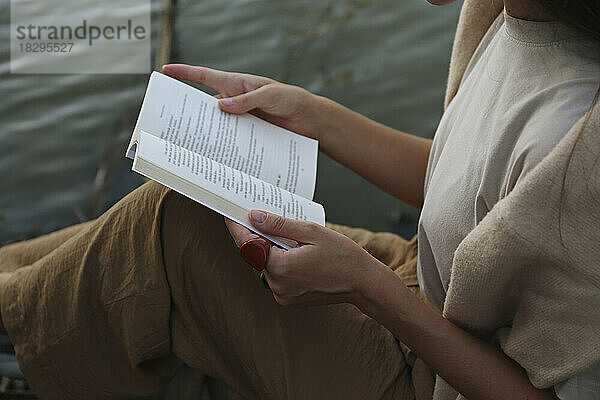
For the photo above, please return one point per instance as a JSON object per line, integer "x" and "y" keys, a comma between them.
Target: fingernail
{"x": 227, "y": 102}
{"x": 163, "y": 67}
{"x": 258, "y": 216}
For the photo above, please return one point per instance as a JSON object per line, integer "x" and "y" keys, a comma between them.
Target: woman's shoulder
{"x": 552, "y": 213}
{"x": 558, "y": 201}
{"x": 538, "y": 250}
{"x": 543, "y": 121}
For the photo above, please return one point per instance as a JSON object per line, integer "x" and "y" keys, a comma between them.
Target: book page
{"x": 191, "y": 119}
{"x": 231, "y": 185}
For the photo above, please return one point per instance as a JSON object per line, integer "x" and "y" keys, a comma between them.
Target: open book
{"x": 229, "y": 163}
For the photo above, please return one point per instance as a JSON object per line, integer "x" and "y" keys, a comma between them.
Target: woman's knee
{"x": 149, "y": 194}
{"x": 188, "y": 220}
{"x": 194, "y": 238}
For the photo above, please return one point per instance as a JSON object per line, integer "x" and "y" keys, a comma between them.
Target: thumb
{"x": 260, "y": 98}
{"x": 273, "y": 224}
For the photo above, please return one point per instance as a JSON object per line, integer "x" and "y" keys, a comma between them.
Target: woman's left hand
{"x": 326, "y": 267}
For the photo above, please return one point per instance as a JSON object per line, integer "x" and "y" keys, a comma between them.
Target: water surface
{"x": 62, "y": 137}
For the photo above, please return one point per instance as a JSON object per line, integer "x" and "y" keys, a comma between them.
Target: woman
{"x": 507, "y": 248}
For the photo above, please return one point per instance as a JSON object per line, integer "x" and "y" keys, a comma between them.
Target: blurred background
{"x": 62, "y": 137}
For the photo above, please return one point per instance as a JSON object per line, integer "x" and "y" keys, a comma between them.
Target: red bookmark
{"x": 256, "y": 252}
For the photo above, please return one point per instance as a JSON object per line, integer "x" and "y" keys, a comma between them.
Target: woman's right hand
{"x": 288, "y": 106}
{"x": 374, "y": 151}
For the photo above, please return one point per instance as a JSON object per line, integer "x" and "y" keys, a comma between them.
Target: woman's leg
{"x": 401, "y": 256}
{"x": 20, "y": 254}
{"x": 156, "y": 281}
{"x": 17, "y": 255}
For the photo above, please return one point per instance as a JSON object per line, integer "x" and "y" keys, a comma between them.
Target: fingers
{"x": 239, "y": 93}
{"x": 229, "y": 83}
{"x": 211, "y": 78}
{"x": 287, "y": 295}
{"x": 239, "y": 233}
{"x": 300, "y": 231}
{"x": 262, "y": 98}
